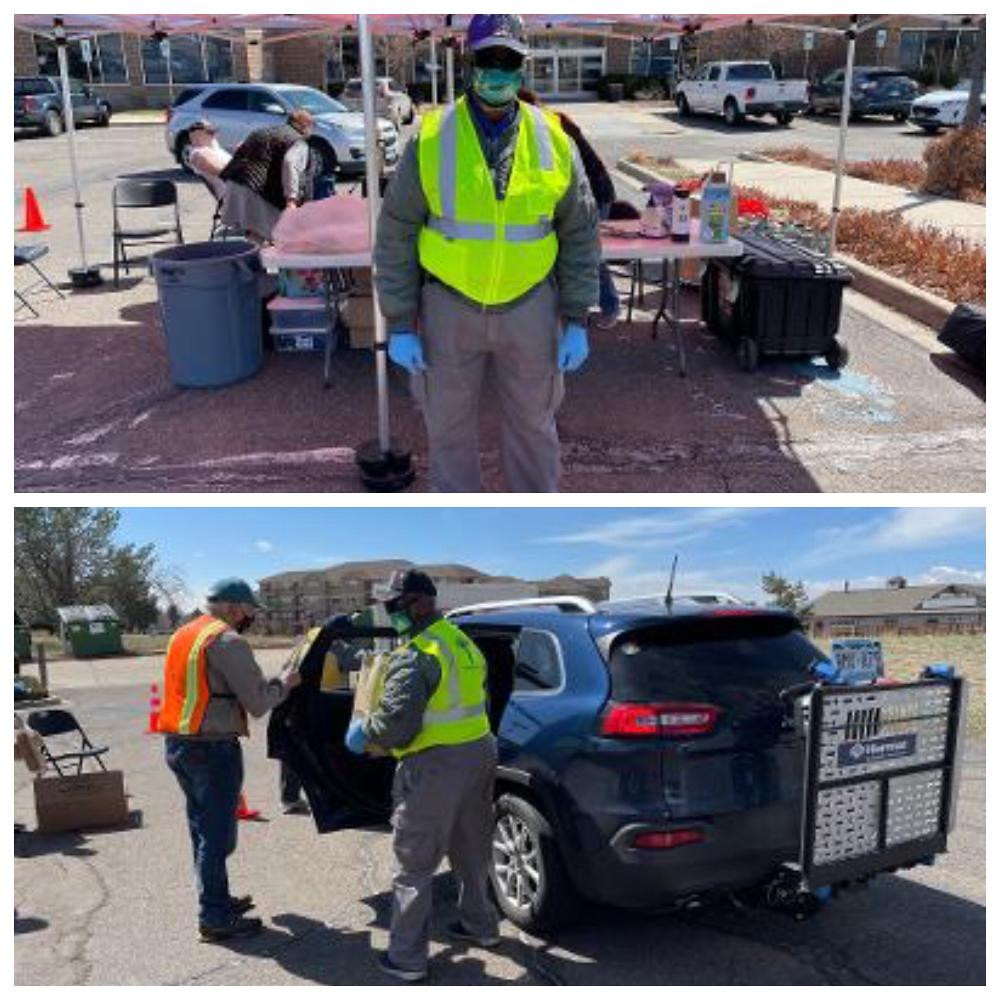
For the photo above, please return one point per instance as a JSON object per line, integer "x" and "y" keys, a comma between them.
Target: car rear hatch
{"x": 708, "y": 689}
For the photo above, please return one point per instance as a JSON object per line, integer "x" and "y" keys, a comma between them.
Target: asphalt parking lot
{"x": 95, "y": 410}
{"x": 117, "y": 907}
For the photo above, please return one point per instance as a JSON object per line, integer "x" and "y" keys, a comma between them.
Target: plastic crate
{"x": 778, "y": 300}
{"x": 298, "y": 315}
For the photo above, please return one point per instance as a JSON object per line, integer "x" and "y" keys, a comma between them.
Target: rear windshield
{"x": 730, "y": 662}
{"x": 750, "y": 71}
{"x": 22, "y": 88}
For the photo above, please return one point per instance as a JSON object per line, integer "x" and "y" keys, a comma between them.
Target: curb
{"x": 134, "y": 122}
{"x": 924, "y": 307}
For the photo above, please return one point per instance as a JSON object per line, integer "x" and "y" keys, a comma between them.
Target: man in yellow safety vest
{"x": 211, "y": 681}
{"x": 432, "y": 717}
{"x": 487, "y": 259}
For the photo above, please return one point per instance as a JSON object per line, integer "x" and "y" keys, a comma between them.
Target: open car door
{"x": 306, "y": 732}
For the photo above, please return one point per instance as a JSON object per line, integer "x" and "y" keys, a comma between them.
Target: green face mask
{"x": 496, "y": 87}
{"x": 401, "y": 622}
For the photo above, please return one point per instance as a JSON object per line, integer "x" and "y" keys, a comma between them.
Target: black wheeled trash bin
{"x": 777, "y": 300}
{"x": 210, "y": 304}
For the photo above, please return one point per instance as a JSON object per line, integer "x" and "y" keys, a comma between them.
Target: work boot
{"x": 407, "y": 975}
{"x": 297, "y": 808}
{"x": 241, "y": 927}
{"x": 457, "y": 932}
{"x": 240, "y": 904}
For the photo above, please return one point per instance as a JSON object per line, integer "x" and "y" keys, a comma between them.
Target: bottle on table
{"x": 716, "y": 209}
{"x": 680, "y": 225}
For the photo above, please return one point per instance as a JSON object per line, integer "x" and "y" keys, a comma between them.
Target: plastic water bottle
{"x": 680, "y": 227}
{"x": 652, "y": 220}
{"x": 716, "y": 208}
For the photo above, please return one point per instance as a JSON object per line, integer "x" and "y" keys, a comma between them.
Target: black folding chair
{"x": 26, "y": 256}
{"x": 134, "y": 194}
{"x": 58, "y": 722}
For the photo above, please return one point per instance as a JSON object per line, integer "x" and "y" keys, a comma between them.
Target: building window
{"x": 192, "y": 60}
{"x": 945, "y": 52}
{"x": 652, "y": 58}
{"x": 106, "y": 62}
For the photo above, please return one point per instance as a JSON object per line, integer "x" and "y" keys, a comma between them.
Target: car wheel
{"x": 183, "y": 153}
{"x": 783, "y": 118}
{"x": 53, "y": 123}
{"x": 900, "y": 117}
{"x": 327, "y": 155}
{"x": 104, "y": 116}
{"x": 683, "y": 108}
{"x": 526, "y": 871}
{"x": 931, "y": 129}
{"x": 731, "y": 112}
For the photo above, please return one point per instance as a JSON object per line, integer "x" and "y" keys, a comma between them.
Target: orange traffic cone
{"x": 154, "y": 709}
{"x": 33, "y": 220}
{"x": 244, "y": 812}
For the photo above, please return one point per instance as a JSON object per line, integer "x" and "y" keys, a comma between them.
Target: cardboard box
{"x": 81, "y": 802}
{"x": 358, "y": 314}
{"x": 28, "y": 747}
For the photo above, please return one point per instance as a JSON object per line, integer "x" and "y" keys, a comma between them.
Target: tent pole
{"x": 434, "y": 70}
{"x": 845, "y": 118}
{"x": 373, "y": 176}
{"x": 84, "y": 276}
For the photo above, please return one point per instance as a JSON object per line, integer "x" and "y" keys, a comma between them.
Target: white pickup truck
{"x": 737, "y": 90}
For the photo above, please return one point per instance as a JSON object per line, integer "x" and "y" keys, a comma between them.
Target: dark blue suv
{"x": 649, "y": 755}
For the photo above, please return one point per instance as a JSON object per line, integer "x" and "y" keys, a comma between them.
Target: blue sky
{"x": 720, "y": 548}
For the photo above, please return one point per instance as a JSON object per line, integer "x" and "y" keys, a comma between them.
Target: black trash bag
{"x": 965, "y": 334}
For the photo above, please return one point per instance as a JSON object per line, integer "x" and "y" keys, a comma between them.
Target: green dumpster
{"x": 22, "y": 639}
{"x": 90, "y": 631}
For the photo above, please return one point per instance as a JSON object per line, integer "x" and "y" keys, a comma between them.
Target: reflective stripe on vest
{"x": 456, "y": 711}
{"x": 491, "y": 251}
{"x": 185, "y": 687}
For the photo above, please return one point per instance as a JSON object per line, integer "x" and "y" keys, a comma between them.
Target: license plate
{"x": 858, "y": 661}
{"x": 304, "y": 343}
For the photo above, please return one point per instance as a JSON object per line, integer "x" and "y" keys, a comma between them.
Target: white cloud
{"x": 951, "y": 574}
{"x": 936, "y": 574}
{"x": 262, "y": 545}
{"x": 902, "y": 530}
{"x": 673, "y": 528}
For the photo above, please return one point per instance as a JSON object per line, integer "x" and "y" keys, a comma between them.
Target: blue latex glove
{"x": 354, "y": 739}
{"x": 573, "y": 348}
{"x": 406, "y": 351}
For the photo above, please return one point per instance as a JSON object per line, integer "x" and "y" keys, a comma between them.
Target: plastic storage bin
{"x": 210, "y": 304}
{"x": 299, "y": 324}
{"x": 778, "y": 300}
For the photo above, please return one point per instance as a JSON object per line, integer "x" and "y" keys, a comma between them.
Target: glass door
{"x": 569, "y": 74}
{"x": 543, "y": 73}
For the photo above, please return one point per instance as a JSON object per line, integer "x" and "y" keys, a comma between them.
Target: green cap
{"x": 234, "y": 591}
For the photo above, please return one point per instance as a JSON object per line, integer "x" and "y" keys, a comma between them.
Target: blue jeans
{"x": 210, "y": 773}
{"x": 610, "y": 303}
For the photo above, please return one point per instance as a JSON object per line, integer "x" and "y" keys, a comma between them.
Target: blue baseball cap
{"x": 490, "y": 31}
{"x": 233, "y": 590}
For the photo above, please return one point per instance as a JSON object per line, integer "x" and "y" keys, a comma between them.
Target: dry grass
{"x": 907, "y": 655}
{"x": 956, "y": 165}
{"x": 943, "y": 264}
{"x": 909, "y": 174}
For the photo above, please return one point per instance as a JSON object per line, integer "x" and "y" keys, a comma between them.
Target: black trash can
{"x": 210, "y": 304}
{"x": 777, "y": 300}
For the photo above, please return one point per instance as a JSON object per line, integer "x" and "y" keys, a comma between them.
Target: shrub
{"x": 956, "y": 165}
{"x": 640, "y": 88}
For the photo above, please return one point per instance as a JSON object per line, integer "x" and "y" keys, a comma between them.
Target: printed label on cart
{"x": 873, "y": 751}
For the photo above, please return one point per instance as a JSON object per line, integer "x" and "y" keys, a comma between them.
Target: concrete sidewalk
{"x": 788, "y": 180}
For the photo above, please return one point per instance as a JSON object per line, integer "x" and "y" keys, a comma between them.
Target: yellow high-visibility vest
{"x": 456, "y": 712}
{"x": 491, "y": 251}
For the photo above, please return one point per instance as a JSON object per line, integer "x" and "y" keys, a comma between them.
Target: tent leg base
{"x": 85, "y": 277}
{"x": 391, "y": 471}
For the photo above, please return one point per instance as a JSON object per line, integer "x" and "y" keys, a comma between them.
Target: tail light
{"x": 751, "y": 93}
{"x": 30, "y": 103}
{"x": 666, "y": 840}
{"x": 668, "y": 720}
{"x": 735, "y": 613}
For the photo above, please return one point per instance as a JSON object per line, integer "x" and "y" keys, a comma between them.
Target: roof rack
{"x": 564, "y": 603}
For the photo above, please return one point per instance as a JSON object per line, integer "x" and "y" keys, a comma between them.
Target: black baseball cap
{"x": 405, "y": 582}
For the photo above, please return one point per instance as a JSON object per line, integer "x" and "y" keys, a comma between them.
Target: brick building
{"x": 296, "y": 600}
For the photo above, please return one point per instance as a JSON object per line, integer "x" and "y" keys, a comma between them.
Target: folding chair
{"x": 59, "y": 722}
{"x": 25, "y": 256}
{"x": 136, "y": 194}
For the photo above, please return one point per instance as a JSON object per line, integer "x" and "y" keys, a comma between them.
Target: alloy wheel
{"x": 516, "y": 861}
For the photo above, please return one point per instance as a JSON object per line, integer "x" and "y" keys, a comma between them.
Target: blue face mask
{"x": 497, "y": 87}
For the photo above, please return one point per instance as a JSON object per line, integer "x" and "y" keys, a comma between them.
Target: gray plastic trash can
{"x": 210, "y": 303}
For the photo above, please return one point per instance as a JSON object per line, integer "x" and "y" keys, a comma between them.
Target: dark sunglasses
{"x": 498, "y": 57}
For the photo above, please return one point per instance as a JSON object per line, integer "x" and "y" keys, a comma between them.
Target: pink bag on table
{"x": 332, "y": 225}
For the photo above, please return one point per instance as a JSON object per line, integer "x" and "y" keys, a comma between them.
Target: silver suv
{"x": 240, "y": 108}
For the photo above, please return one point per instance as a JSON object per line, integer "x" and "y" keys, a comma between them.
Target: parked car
{"x": 943, "y": 108}
{"x": 391, "y": 100}
{"x": 738, "y": 90}
{"x": 38, "y": 104}
{"x": 875, "y": 90}
{"x": 239, "y": 109}
{"x": 648, "y": 755}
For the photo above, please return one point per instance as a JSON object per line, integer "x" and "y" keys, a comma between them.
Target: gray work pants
{"x": 520, "y": 346}
{"x": 443, "y": 807}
